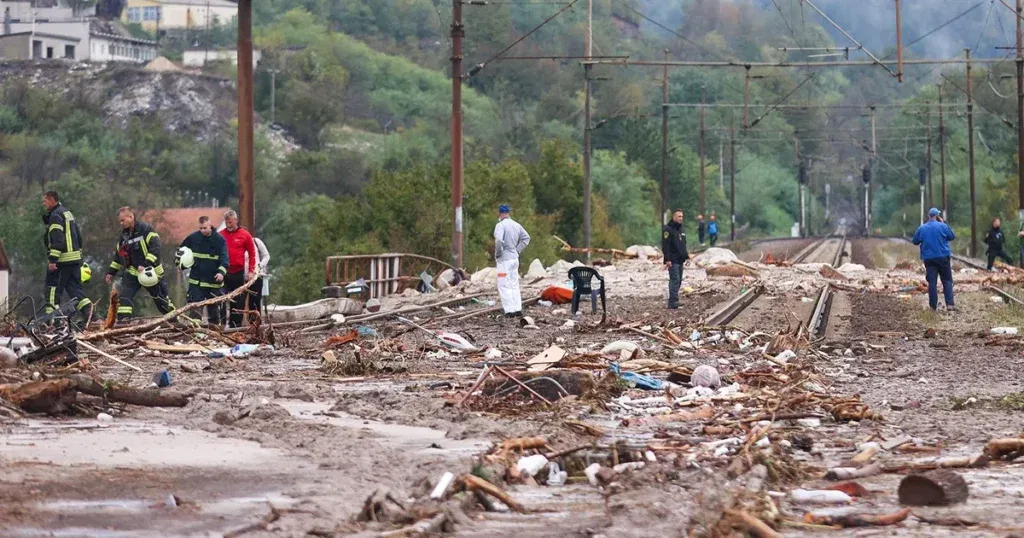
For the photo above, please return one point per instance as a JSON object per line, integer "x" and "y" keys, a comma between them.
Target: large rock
{"x": 536, "y": 270}
{"x": 851, "y": 268}
{"x": 643, "y": 251}
{"x": 485, "y": 275}
{"x": 715, "y": 256}
{"x": 560, "y": 269}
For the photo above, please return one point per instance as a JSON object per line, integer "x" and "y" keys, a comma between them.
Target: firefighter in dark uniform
{"x": 63, "y": 242}
{"x": 673, "y": 248}
{"x": 205, "y": 254}
{"x": 138, "y": 255}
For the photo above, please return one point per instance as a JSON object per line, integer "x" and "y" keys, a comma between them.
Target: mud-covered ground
{"x": 279, "y": 430}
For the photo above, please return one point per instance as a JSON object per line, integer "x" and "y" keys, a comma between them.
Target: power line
{"x": 988, "y": 17}
{"x": 673, "y": 32}
{"x": 941, "y": 26}
{"x": 1005, "y": 121}
{"x": 848, "y": 36}
{"x": 476, "y": 68}
{"x": 795, "y": 38}
{"x": 787, "y": 96}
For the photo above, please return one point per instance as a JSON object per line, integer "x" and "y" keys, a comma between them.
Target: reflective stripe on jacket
{"x": 63, "y": 240}
{"x": 138, "y": 247}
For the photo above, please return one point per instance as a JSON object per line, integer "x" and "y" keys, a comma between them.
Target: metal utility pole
{"x": 246, "y": 175}
{"x": 732, "y": 177}
{"x": 922, "y": 180}
{"x": 970, "y": 155}
{"x": 746, "y": 96}
{"x": 802, "y": 179}
{"x": 1020, "y": 113}
{"x": 721, "y": 165}
{"x": 273, "y": 95}
{"x": 703, "y": 97}
{"x": 458, "y": 31}
{"x": 586, "y": 128}
{"x": 664, "y": 145}
{"x": 928, "y": 161}
{"x": 942, "y": 157}
{"x": 871, "y": 166}
{"x": 899, "y": 45}
{"x": 828, "y": 202}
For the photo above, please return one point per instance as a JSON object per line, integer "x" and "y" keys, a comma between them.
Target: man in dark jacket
{"x": 673, "y": 247}
{"x": 138, "y": 249}
{"x": 934, "y": 237}
{"x": 994, "y": 238}
{"x": 63, "y": 243}
{"x": 700, "y": 229}
{"x": 210, "y": 264}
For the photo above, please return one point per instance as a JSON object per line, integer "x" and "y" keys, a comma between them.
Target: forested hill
{"x": 362, "y": 86}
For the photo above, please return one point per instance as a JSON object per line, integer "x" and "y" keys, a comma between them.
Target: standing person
{"x": 261, "y": 288}
{"x": 994, "y": 238}
{"x": 934, "y": 237}
{"x": 700, "y": 229}
{"x": 673, "y": 247}
{"x": 209, "y": 264}
{"x": 63, "y": 243}
{"x": 240, "y": 245}
{"x": 713, "y": 230}
{"x": 510, "y": 239}
{"x": 138, "y": 255}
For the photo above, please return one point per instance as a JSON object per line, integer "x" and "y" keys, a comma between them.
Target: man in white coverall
{"x": 510, "y": 239}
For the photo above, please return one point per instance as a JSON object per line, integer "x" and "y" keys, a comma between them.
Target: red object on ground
{"x": 557, "y": 295}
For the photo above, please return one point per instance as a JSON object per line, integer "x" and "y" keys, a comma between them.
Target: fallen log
{"x": 976, "y": 462}
{"x": 46, "y": 396}
{"x": 1009, "y": 449}
{"x": 858, "y": 520}
{"x": 523, "y": 443}
{"x": 413, "y": 308}
{"x": 104, "y": 354}
{"x": 170, "y": 315}
{"x": 941, "y": 487}
{"x": 433, "y": 525}
{"x": 753, "y": 525}
{"x": 115, "y": 393}
{"x": 475, "y": 483}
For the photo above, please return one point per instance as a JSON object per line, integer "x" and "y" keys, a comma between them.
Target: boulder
{"x": 560, "y": 269}
{"x": 536, "y": 270}
{"x": 643, "y": 251}
{"x": 485, "y": 275}
{"x": 315, "y": 310}
{"x": 848, "y": 268}
{"x": 715, "y": 256}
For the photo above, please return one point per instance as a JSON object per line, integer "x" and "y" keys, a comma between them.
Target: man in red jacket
{"x": 240, "y": 243}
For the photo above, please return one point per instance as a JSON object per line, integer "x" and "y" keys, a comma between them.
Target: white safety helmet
{"x": 184, "y": 258}
{"x": 148, "y": 277}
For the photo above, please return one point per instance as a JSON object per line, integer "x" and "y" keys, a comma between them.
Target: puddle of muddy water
{"x": 412, "y": 438}
{"x": 142, "y": 444}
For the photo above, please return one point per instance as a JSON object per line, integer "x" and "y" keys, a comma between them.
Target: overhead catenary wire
{"x": 848, "y": 36}
{"x": 1005, "y": 121}
{"x": 478, "y": 67}
{"x": 781, "y": 101}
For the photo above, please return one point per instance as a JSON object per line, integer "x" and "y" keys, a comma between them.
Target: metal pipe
{"x": 703, "y": 97}
{"x": 1020, "y": 114}
{"x": 664, "y": 146}
{"x": 942, "y": 157}
{"x": 899, "y": 44}
{"x": 732, "y": 179}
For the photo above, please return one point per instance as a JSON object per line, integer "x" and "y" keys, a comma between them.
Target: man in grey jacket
{"x": 510, "y": 239}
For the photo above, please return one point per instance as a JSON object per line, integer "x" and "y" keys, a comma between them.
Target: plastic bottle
{"x": 556, "y": 477}
{"x": 531, "y": 465}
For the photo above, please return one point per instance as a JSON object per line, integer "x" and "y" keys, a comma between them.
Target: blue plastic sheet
{"x": 640, "y": 381}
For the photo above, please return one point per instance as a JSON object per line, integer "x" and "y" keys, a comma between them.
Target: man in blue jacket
{"x": 934, "y": 237}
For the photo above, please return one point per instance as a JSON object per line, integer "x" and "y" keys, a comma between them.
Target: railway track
{"x": 813, "y": 325}
{"x": 829, "y": 250}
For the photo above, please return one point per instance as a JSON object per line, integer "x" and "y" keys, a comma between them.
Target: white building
{"x": 58, "y": 32}
{"x": 180, "y": 14}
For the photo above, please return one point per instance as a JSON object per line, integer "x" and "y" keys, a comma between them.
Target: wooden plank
{"x": 546, "y": 359}
{"x": 175, "y": 348}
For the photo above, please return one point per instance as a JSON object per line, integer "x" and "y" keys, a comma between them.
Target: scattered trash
{"x": 103, "y": 417}
{"x": 527, "y": 322}
{"x": 996, "y": 299}
{"x": 629, "y": 466}
{"x": 568, "y": 325}
{"x": 618, "y": 346}
{"x": 785, "y": 356}
{"x": 857, "y": 520}
{"x": 556, "y": 477}
{"x": 240, "y": 350}
{"x": 492, "y": 353}
{"x": 531, "y": 465}
{"x": 706, "y": 376}
{"x": 366, "y": 332}
{"x": 456, "y": 341}
{"x": 545, "y": 304}
{"x": 546, "y": 359}
{"x": 442, "y": 485}
{"x": 161, "y": 379}
{"x": 819, "y": 496}
{"x": 373, "y": 305}
{"x": 1004, "y": 330}
{"x": 637, "y": 380}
